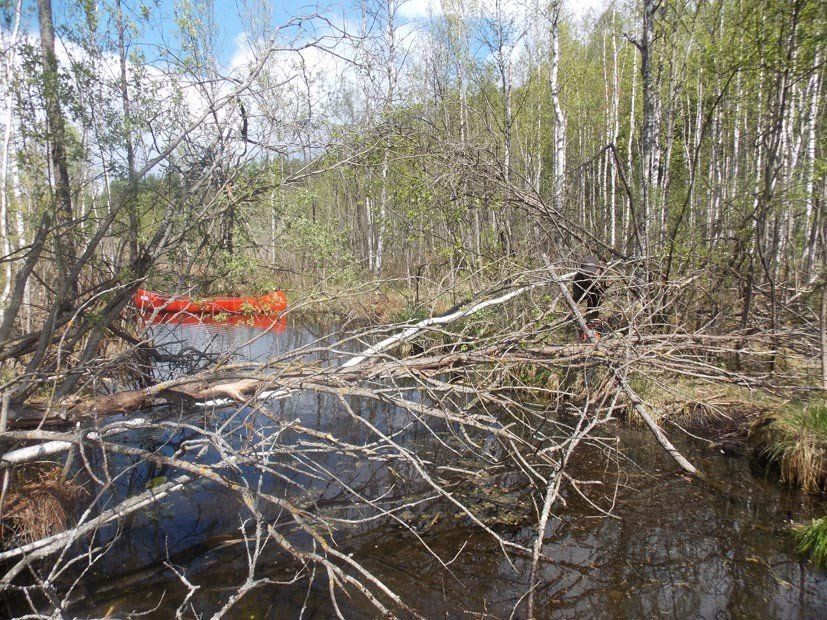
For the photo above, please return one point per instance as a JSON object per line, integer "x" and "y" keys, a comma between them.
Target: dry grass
{"x": 699, "y": 404}
{"x": 795, "y": 439}
{"x": 37, "y": 506}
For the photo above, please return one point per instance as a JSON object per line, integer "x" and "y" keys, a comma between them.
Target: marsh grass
{"x": 812, "y": 540}
{"x": 38, "y": 505}
{"x": 699, "y": 404}
{"x": 795, "y": 439}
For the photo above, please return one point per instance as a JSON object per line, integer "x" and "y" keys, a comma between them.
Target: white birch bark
{"x": 648, "y": 147}
{"x": 391, "y": 76}
{"x": 615, "y": 114}
{"x": 10, "y": 49}
{"x": 559, "y": 126}
{"x": 630, "y": 162}
{"x": 814, "y": 88}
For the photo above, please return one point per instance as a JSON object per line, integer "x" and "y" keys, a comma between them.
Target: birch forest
{"x": 555, "y": 337}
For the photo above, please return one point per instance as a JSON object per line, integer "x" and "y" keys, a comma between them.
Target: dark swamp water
{"x": 674, "y": 548}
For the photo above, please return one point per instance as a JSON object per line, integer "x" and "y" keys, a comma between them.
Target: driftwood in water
{"x": 213, "y": 389}
{"x": 251, "y": 383}
{"x": 474, "y": 395}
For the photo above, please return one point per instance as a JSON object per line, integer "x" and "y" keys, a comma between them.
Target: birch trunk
{"x": 615, "y": 115}
{"x": 127, "y": 120}
{"x": 391, "y": 75}
{"x": 648, "y": 147}
{"x": 812, "y": 121}
{"x": 630, "y": 162}
{"x": 57, "y": 140}
{"x": 559, "y": 126}
{"x": 8, "y": 120}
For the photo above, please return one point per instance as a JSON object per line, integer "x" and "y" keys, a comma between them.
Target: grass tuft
{"x": 812, "y": 540}
{"x": 796, "y": 440}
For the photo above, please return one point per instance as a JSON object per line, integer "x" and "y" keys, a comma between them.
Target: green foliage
{"x": 237, "y": 269}
{"x": 319, "y": 243}
{"x": 812, "y": 540}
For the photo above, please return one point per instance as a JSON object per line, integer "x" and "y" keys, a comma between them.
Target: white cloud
{"x": 421, "y": 9}
{"x": 582, "y": 7}
{"x": 425, "y": 9}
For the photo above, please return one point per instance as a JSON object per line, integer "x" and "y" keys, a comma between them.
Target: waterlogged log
{"x": 206, "y": 392}
{"x": 247, "y": 383}
{"x": 220, "y": 392}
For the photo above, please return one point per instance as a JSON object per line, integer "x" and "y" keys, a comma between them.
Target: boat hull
{"x": 269, "y": 304}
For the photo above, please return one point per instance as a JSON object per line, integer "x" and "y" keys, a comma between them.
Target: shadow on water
{"x": 672, "y": 547}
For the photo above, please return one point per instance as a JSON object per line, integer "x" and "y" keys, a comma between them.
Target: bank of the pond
{"x": 812, "y": 540}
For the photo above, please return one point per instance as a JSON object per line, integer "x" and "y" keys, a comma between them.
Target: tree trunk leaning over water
{"x": 622, "y": 382}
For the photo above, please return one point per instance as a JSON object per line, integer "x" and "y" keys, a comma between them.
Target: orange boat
{"x": 269, "y": 304}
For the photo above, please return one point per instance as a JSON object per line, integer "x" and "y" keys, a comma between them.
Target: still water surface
{"x": 673, "y": 548}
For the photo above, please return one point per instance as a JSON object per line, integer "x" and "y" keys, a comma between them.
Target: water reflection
{"x": 674, "y": 548}
{"x": 277, "y": 323}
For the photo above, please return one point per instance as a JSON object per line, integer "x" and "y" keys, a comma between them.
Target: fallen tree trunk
{"x": 239, "y": 391}
{"x": 416, "y": 329}
{"x": 634, "y": 399}
{"x": 250, "y": 383}
{"x": 468, "y": 386}
{"x": 209, "y": 393}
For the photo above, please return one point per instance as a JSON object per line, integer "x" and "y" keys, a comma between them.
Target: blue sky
{"x": 227, "y": 14}
{"x": 162, "y": 29}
